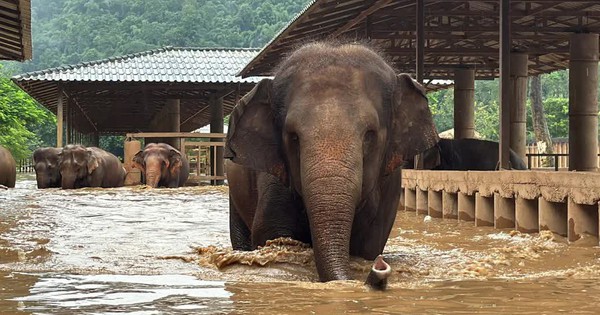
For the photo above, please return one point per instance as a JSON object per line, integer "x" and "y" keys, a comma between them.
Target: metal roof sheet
{"x": 167, "y": 65}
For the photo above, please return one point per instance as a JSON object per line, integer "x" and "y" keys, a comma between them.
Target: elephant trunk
{"x": 153, "y": 172}
{"x": 68, "y": 181}
{"x": 331, "y": 192}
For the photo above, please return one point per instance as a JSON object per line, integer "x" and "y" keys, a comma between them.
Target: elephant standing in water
{"x": 162, "y": 166}
{"x": 8, "y": 168}
{"x": 47, "y": 169}
{"x": 466, "y": 155}
{"x": 89, "y": 167}
{"x": 331, "y": 130}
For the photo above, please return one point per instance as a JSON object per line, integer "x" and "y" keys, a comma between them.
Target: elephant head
{"x": 47, "y": 168}
{"x": 332, "y": 124}
{"x": 77, "y": 163}
{"x": 159, "y": 162}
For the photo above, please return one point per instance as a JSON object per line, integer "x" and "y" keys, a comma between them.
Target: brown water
{"x": 153, "y": 251}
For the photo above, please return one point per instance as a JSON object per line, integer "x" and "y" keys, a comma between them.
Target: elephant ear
{"x": 92, "y": 161}
{"x": 138, "y": 161}
{"x": 413, "y": 130}
{"x": 253, "y": 139}
{"x": 174, "y": 161}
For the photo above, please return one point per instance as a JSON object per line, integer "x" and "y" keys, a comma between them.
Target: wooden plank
{"x": 175, "y": 135}
{"x": 204, "y": 144}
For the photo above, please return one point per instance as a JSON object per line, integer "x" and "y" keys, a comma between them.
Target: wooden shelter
{"x": 137, "y": 92}
{"x": 15, "y": 30}
{"x": 466, "y": 40}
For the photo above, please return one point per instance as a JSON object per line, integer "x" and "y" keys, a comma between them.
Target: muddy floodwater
{"x": 133, "y": 250}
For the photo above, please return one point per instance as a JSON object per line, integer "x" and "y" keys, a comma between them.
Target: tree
{"x": 540, "y": 126}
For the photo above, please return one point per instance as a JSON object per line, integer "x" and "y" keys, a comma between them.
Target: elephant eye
{"x": 369, "y": 137}
{"x": 294, "y": 137}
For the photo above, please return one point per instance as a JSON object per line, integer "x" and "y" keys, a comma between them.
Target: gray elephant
{"x": 464, "y": 155}
{"x": 162, "y": 166}
{"x": 47, "y": 169}
{"x": 8, "y": 168}
{"x": 89, "y": 167}
{"x": 332, "y": 130}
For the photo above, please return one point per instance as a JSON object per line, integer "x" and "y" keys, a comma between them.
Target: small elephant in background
{"x": 465, "y": 155}
{"x": 162, "y": 166}
{"x": 46, "y": 162}
{"x": 8, "y": 168}
{"x": 89, "y": 167}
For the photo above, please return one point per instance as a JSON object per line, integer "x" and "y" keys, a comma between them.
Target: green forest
{"x": 73, "y": 31}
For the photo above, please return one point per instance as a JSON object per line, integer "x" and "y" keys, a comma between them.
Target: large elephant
{"x": 8, "y": 168}
{"x": 89, "y": 167}
{"x": 332, "y": 127}
{"x": 466, "y": 154}
{"x": 47, "y": 169}
{"x": 162, "y": 166}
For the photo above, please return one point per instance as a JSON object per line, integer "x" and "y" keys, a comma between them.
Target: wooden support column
{"x": 59, "y": 119}
{"x": 217, "y": 126}
{"x": 518, "y": 112}
{"x": 68, "y": 121}
{"x": 464, "y": 103}
{"x": 96, "y": 139}
{"x": 173, "y": 121}
{"x": 505, "y": 47}
{"x": 583, "y": 102}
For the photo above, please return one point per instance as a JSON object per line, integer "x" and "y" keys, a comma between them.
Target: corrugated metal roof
{"x": 168, "y": 65}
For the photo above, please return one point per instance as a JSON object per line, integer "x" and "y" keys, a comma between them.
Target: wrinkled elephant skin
{"x": 89, "y": 167}
{"x": 331, "y": 130}
{"x": 47, "y": 168}
{"x": 8, "y": 168}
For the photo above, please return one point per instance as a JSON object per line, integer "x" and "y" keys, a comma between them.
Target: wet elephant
{"x": 89, "y": 167}
{"x": 332, "y": 127}
{"x": 47, "y": 168}
{"x": 162, "y": 166}
{"x": 8, "y": 168}
{"x": 466, "y": 154}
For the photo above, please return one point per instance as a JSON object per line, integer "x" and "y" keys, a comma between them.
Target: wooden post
{"x": 59, "y": 119}
{"x": 217, "y": 126}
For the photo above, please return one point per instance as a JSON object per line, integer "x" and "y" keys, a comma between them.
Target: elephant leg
{"x": 278, "y": 213}
{"x": 238, "y": 231}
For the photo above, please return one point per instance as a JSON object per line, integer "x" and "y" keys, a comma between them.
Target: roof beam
{"x": 376, "y": 6}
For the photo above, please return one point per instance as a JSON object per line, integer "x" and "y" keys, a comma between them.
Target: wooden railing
{"x": 556, "y": 156}
{"x": 25, "y": 166}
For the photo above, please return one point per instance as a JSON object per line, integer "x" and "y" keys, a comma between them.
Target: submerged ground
{"x": 154, "y": 251}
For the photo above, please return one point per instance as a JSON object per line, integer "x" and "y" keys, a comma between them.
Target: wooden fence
{"x": 535, "y": 157}
{"x": 25, "y": 166}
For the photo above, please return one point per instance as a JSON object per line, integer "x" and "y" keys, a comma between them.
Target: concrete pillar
{"x": 518, "y": 101}
{"x": 434, "y": 203}
{"x": 464, "y": 103}
{"x": 583, "y": 219}
{"x": 134, "y": 175}
{"x": 449, "y": 205}
{"x": 527, "y": 215}
{"x": 553, "y": 216}
{"x": 504, "y": 212}
{"x": 583, "y": 102}
{"x": 466, "y": 207}
{"x": 484, "y": 210}
{"x": 505, "y": 52}
{"x": 402, "y": 203}
{"x": 421, "y": 201}
{"x": 59, "y": 120}
{"x": 410, "y": 201}
{"x": 216, "y": 126}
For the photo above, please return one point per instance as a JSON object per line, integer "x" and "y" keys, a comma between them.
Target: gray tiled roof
{"x": 169, "y": 64}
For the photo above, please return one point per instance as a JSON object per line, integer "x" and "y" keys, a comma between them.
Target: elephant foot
{"x": 380, "y": 272}
{"x": 3, "y": 187}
